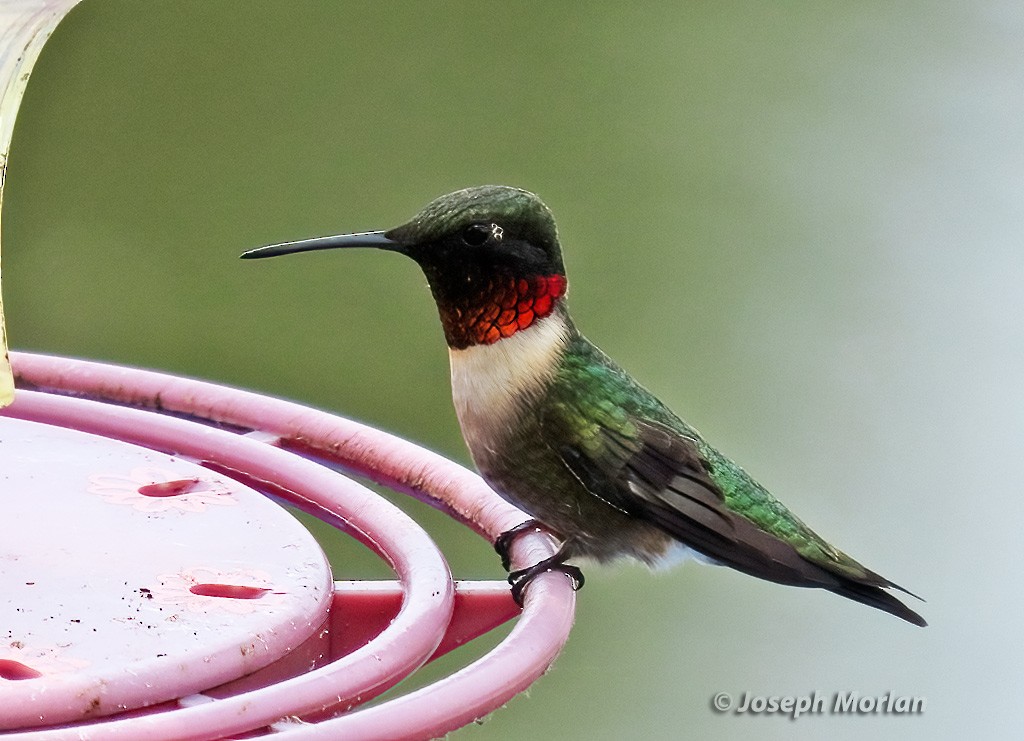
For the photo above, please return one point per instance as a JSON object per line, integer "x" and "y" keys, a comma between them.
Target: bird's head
{"x": 490, "y": 254}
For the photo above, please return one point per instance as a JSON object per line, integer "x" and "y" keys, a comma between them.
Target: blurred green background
{"x": 800, "y": 224}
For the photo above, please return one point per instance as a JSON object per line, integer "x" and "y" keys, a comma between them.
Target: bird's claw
{"x": 503, "y": 543}
{"x": 521, "y": 579}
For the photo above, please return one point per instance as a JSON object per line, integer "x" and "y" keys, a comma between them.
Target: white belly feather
{"x": 490, "y": 383}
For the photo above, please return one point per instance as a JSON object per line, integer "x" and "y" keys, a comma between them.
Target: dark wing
{"x": 659, "y": 475}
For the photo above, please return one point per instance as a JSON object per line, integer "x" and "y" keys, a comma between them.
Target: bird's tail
{"x": 877, "y": 597}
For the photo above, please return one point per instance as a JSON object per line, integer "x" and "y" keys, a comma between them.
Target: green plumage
{"x": 591, "y": 393}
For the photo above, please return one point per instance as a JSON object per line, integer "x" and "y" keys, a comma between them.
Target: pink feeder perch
{"x": 149, "y": 588}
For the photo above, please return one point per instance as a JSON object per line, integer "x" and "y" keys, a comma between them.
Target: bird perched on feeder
{"x": 558, "y": 429}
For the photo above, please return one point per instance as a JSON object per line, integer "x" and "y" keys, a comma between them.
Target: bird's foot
{"x": 503, "y": 543}
{"x": 521, "y": 579}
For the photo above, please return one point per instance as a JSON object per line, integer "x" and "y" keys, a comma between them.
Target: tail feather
{"x": 877, "y": 597}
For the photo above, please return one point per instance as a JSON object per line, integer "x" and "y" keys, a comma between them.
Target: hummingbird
{"x": 561, "y": 431}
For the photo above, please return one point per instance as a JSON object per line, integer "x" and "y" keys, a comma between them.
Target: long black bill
{"x": 363, "y": 239}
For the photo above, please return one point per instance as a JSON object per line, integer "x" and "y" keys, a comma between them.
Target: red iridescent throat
{"x": 499, "y": 309}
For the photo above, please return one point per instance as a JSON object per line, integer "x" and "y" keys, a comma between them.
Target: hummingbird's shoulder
{"x": 593, "y": 391}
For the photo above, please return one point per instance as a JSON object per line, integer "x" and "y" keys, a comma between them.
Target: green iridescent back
{"x": 590, "y": 392}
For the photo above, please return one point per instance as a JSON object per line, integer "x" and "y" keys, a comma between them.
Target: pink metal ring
{"x": 428, "y": 589}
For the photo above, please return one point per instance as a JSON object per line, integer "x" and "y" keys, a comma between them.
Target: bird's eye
{"x": 476, "y": 234}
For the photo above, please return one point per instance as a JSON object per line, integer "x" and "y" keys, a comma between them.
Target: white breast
{"x": 491, "y": 382}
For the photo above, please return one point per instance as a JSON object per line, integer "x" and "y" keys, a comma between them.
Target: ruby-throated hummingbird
{"x": 561, "y": 431}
